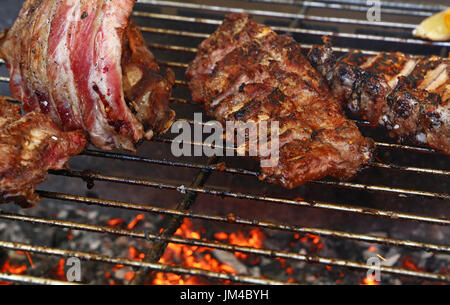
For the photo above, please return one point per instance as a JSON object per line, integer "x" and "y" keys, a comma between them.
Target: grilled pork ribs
{"x": 408, "y": 95}
{"x": 246, "y": 72}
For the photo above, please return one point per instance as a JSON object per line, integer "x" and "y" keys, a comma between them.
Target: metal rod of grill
{"x": 387, "y": 7}
{"x": 302, "y": 17}
{"x": 231, "y": 170}
{"x": 305, "y": 31}
{"x": 26, "y": 279}
{"x": 360, "y": 3}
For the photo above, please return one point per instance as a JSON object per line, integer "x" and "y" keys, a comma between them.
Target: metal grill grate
{"x": 174, "y": 29}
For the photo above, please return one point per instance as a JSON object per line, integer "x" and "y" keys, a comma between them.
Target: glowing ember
{"x": 199, "y": 257}
{"x": 115, "y": 222}
{"x": 134, "y": 254}
{"x": 289, "y": 270}
{"x": 12, "y": 269}
{"x": 129, "y": 275}
{"x": 372, "y": 249}
{"x": 369, "y": 281}
{"x": 314, "y": 238}
{"x": 135, "y": 221}
{"x": 255, "y": 240}
{"x": 59, "y": 270}
{"x": 409, "y": 264}
{"x": 221, "y": 236}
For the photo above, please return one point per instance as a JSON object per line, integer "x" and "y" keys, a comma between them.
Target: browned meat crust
{"x": 246, "y": 72}
{"x": 147, "y": 92}
{"x": 29, "y": 147}
{"x": 408, "y": 95}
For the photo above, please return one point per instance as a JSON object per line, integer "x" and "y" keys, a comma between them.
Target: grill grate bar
{"x": 230, "y": 170}
{"x": 386, "y": 7}
{"x": 222, "y": 246}
{"x": 309, "y": 32}
{"x": 384, "y": 4}
{"x": 25, "y": 279}
{"x": 412, "y": 169}
{"x": 230, "y": 194}
{"x": 302, "y": 17}
{"x": 153, "y": 266}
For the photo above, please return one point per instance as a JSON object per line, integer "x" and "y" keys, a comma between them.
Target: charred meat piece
{"x": 65, "y": 60}
{"x": 246, "y": 72}
{"x": 147, "y": 92}
{"x": 408, "y": 95}
{"x": 29, "y": 147}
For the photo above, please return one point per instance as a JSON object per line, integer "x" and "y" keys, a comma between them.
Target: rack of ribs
{"x": 408, "y": 95}
{"x": 65, "y": 60}
{"x": 246, "y": 72}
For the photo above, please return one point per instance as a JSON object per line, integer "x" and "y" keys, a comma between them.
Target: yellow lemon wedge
{"x": 436, "y": 27}
{"x": 447, "y": 19}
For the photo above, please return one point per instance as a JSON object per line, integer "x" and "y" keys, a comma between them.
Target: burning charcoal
{"x": 122, "y": 273}
{"x": 62, "y": 214}
{"x": 92, "y": 215}
{"x": 255, "y": 271}
{"x": 95, "y": 244}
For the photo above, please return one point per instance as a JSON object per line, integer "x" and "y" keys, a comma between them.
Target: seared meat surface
{"x": 408, "y": 95}
{"x": 147, "y": 92}
{"x": 29, "y": 147}
{"x": 246, "y": 72}
{"x": 65, "y": 60}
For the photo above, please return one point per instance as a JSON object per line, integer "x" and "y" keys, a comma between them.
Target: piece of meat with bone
{"x": 147, "y": 92}
{"x": 409, "y": 95}
{"x": 245, "y": 72}
{"x": 31, "y": 145}
{"x": 65, "y": 61}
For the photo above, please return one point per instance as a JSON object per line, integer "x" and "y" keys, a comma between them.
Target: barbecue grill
{"x": 406, "y": 187}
